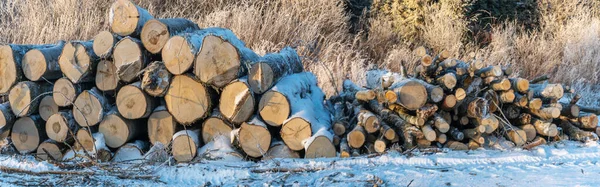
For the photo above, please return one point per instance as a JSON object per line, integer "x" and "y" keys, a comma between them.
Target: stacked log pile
{"x": 154, "y": 81}
{"x": 461, "y": 105}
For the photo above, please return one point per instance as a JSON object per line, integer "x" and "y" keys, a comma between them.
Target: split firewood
{"x": 42, "y": 63}
{"x": 237, "y": 101}
{"x": 156, "y": 79}
{"x": 90, "y": 107}
{"x": 47, "y": 107}
{"x": 65, "y": 92}
{"x": 156, "y": 32}
{"x": 61, "y": 126}
{"x": 127, "y": 18}
{"x": 161, "y": 126}
{"x": 78, "y": 61}
{"x": 185, "y": 144}
{"x": 25, "y": 97}
{"x": 27, "y": 133}
{"x": 269, "y": 69}
{"x": 104, "y": 42}
{"x": 188, "y": 100}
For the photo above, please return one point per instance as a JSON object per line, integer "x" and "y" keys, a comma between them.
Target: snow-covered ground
{"x": 559, "y": 164}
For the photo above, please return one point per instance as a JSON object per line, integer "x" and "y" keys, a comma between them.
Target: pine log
{"x": 27, "y": 133}
{"x": 42, "y": 63}
{"x": 216, "y": 125}
{"x": 222, "y": 58}
{"x": 156, "y": 79}
{"x": 534, "y": 143}
{"x": 90, "y": 107}
{"x": 530, "y": 131}
{"x": 188, "y": 100}
{"x": 185, "y": 144}
{"x": 78, "y": 61}
{"x": 156, "y": 32}
{"x": 119, "y": 130}
{"x": 11, "y": 57}
{"x": 545, "y": 128}
{"x": 47, "y": 107}
{"x": 125, "y": 18}
{"x": 133, "y": 151}
{"x": 25, "y": 97}
{"x": 7, "y": 118}
{"x": 107, "y": 79}
{"x": 104, "y": 42}
{"x": 61, "y": 127}
{"x": 134, "y": 103}
{"x": 65, "y": 92}
{"x": 547, "y": 91}
{"x": 254, "y": 138}
{"x": 412, "y": 95}
{"x": 161, "y": 126}
{"x": 267, "y": 71}
{"x": 130, "y": 58}
{"x": 576, "y": 133}
{"x": 278, "y": 149}
{"x": 237, "y": 101}
{"x": 51, "y": 150}
{"x": 320, "y": 144}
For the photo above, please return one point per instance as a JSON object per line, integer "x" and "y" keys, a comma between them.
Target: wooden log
{"x": 381, "y": 144}
{"x": 51, "y": 150}
{"x": 474, "y": 107}
{"x": 420, "y": 51}
{"x": 125, "y": 18}
{"x": 388, "y": 132}
{"x": 449, "y": 102}
{"x": 441, "y": 137}
{"x": 576, "y": 133}
{"x": 86, "y": 140}
{"x": 104, "y": 42}
{"x": 511, "y": 111}
{"x": 594, "y": 110}
{"x": 547, "y": 91}
{"x": 357, "y": 137}
{"x": 216, "y": 125}
{"x": 493, "y": 100}
{"x": 345, "y": 150}
{"x": 454, "y": 145}
{"x": 426, "y": 60}
{"x": 410, "y": 118}
{"x": 307, "y": 119}
{"x": 133, "y": 152}
{"x": 490, "y": 71}
{"x": 237, "y": 101}
{"x": 65, "y": 92}
{"x": 507, "y": 96}
{"x": 440, "y": 124}
{"x": 412, "y": 95}
{"x": 460, "y": 94}
{"x": 340, "y": 120}
{"x": 222, "y": 58}
{"x": 320, "y": 144}
{"x": 429, "y": 133}
{"x": 474, "y": 134}
{"x": 161, "y": 126}
{"x": 25, "y": 97}
{"x": 267, "y": 71}
{"x": 27, "y": 133}
{"x": 278, "y": 149}
{"x": 588, "y": 121}
{"x": 546, "y": 113}
{"x": 185, "y": 144}
{"x": 119, "y": 130}
{"x": 570, "y": 111}
{"x": 521, "y": 100}
{"x": 456, "y": 134}
{"x": 188, "y": 100}
{"x": 134, "y": 103}
{"x": 524, "y": 119}
{"x": 179, "y": 52}
{"x": 78, "y": 61}
{"x": 515, "y": 134}
{"x": 501, "y": 85}
{"x": 11, "y": 57}
{"x": 156, "y": 79}
{"x": 47, "y": 107}
{"x": 156, "y": 32}
{"x": 254, "y": 138}
{"x": 530, "y": 131}
{"x": 90, "y": 107}
{"x": 535, "y": 104}
{"x": 473, "y": 145}
{"x": 42, "y": 63}
{"x": 447, "y": 81}
{"x": 520, "y": 85}
{"x": 61, "y": 127}
{"x": 435, "y": 93}
{"x": 7, "y": 118}
{"x": 545, "y": 128}
{"x": 534, "y": 143}
{"x": 107, "y": 79}
{"x": 368, "y": 120}
{"x": 130, "y": 58}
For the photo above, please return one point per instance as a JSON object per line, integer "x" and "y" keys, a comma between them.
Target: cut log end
{"x": 34, "y": 65}
{"x": 214, "y": 127}
{"x": 75, "y": 61}
{"x": 320, "y": 146}
{"x": 86, "y": 140}
{"x": 261, "y": 77}
{"x": 8, "y": 69}
{"x": 154, "y": 35}
{"x": 185, "y": 144}
{"x": 156, "y": 79}
{"x": 124, "y": 17}
{"x": 64, "y": 92}
{"x": 117, "y": 130}
{"x": 177, "y": 55}
{"x": 60, "y": 126}
{"x": 103, "y": 44}
{"x": 237, "y": 102}
{"x": 411, "y": 94}
{"x": 294, "y": 131}
{"x": 27, "y": 135}
{"x": 47, "y": 107}
{"x": 106, "y": 76}
{"x": 88, "y": 108}
{"x": 274, "y": 108}
{"x": 133, "y": 102}
{"x": 161, "y": 127}
{"x": 51, "y": 150}
{"x": 129, "y": 59}
{"x": 188, "y": 100}
{"x": 254, "y": 139}
{"x": 218, "y": 62}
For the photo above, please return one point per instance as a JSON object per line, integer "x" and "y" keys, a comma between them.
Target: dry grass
{"x": 567, "y": 44}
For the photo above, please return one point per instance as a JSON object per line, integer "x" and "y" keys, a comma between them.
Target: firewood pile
{"x": 460, "y": 105}
{"x": 163, "y": 83}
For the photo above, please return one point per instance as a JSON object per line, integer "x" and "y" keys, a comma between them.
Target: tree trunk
{"x": 78, "y": 61}
{"x": 319, "y": 144}
{"x": 237, "y": 102}
{"x": 42, "y": 63}
{"x": 25, "y": 97}
{"x": 222, "y": 58}
{"x": 118, "y": 130}
{"x": 7, "y": 119}
{"x": 588, "y": 121}
{"x": 368, "y": 120}
{"x": 27, "y": 133}
{"x": 156, "y": 79}
{"x": 254, "y": 138}
{"x": 576, "y": 133}
{"x": 61, "y": 126}
{"x": 501, "y": 85}
{"x": 107, "y": 79}
{"x": 134, "y": 103}
{"x": 47, "y": 107}
{"x": 90, "y": 107}
{"x": 440, "y": 123}
{"x": 127, "y": 19}
{"x": 11, "y": 57}
{"x": 156, "y": 32}
{"x": 412, "y": 95}
{"x": 490, "y": 71}
{"x": 188, "y": 100}
{"x": 161, "y": 126}
{"x": 104, "y": 43}
{"x": 547, "y": 113}
{"x": 215, "y": 126}
{"x": 65, "y": 92}
{"x": 51, "y": 150}
{"x": 447, "y": 81}
{"x": 130, "y": 58}
{"x": 185, "y": 144}
{"x": 269, "y": 69}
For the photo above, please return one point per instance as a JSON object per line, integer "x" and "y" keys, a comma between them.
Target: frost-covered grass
{"x": 559, "y": 164}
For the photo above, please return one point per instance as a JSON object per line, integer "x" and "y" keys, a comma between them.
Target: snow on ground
{"x": 560, "y": 164}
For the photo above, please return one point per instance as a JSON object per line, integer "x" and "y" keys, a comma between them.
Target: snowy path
{"x": 562, "y": 164}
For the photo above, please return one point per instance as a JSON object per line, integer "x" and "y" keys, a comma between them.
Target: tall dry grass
{"x": 566, "y": 45}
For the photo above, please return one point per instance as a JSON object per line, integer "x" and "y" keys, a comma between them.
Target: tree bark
{"x": 7, "y": 118}
{"x": 412, "y": 95}
{"x": 320, "y": 144}
{"x": 269, "y": 69}
{"x": 51, "y": 150}
{"x": 156, "y": 79}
